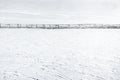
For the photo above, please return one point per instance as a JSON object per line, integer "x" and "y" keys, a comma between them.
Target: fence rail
{"x": 62, "y": 26}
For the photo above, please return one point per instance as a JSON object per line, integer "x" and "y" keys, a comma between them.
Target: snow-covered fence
{"x": 62, "y": 26}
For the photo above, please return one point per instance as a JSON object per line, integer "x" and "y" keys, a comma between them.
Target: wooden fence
{"x": 62, "y": 26}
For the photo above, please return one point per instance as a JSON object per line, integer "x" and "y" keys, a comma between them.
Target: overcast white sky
{"x": 60, "y": 11}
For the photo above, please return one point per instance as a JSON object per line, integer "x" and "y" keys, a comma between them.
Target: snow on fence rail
{"x": 61, "y": 26}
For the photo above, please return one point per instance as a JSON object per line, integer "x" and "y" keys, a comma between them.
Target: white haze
{"x": 59, "y": 11}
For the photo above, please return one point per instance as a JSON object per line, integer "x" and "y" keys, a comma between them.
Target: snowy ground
{"x": 36, "y": 54}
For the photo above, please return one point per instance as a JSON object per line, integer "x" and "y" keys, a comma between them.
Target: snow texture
{"x": 34, "y": 54}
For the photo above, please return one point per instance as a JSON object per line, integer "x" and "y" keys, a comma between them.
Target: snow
{"x": 63, "y": 54}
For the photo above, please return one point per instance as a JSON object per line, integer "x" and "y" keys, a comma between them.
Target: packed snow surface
{"x": 62, "y": 54}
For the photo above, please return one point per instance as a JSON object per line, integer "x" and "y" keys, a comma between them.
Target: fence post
{"x": 36, "y": 26}
{"x": 8, "y": 25}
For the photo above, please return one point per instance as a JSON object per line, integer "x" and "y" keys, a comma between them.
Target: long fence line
{"x": 62, "y": 26}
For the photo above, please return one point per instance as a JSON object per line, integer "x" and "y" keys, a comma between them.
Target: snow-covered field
{"x": 36, "y": 54}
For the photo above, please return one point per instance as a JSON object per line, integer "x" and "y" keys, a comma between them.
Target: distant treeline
{"x": 62, "y": 26}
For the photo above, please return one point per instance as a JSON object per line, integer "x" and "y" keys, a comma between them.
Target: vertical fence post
{"x": 8, "y": 25}
{"x": 43, "y": 26}
{"x": 36, "y": 26}
{"x": 17, "y": 25}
